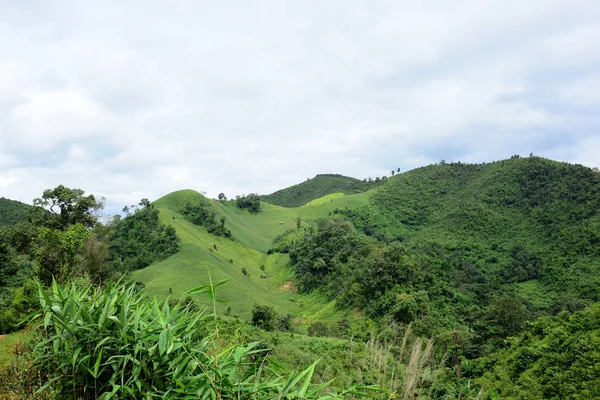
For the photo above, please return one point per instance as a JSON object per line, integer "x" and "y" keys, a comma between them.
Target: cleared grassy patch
{"x": 325, "y": 199}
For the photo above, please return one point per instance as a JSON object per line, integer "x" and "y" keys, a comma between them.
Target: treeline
{"x": 62, "y": 239}
{"x": 139, "y": 239}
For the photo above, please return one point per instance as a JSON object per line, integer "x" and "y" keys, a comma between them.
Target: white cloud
{"x": 262, "y": 95}
{"x": 583, "y": 92}
{"x": 47, "y": 118}
{"x": 6, "y": 180}
{"x": 14, "y": 77}
{"x": 578, "y": 45}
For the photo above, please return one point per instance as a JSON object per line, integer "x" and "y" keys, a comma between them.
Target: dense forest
{"x": 12, "y": 211}
{"x": 451, "y": 281}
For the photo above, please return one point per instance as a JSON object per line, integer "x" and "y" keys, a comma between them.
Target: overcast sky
{"x": 132, "y": 99}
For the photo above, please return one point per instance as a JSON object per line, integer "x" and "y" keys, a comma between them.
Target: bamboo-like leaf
{"x": 97, "y": 365}
{"x": 309, "y": 373}
{"x": 162, "y": 342}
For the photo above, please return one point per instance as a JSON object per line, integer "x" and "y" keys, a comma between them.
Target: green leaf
{"x": 97, "y": 365}
{"x": 162, "y": 342}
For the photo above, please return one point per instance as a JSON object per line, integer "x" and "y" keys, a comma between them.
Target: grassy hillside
{"x": 12, "y": 211}
{"x": 257, "y": 230}
{"x": 317, "y": 187}
{"x": 252, "y": 237}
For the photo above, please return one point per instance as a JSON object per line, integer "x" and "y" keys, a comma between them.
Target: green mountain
{"x": 524, "y": 227}
{"x": 12, "y": 211}
{"x": 315, "y": 188}
{"x": 498, "y": 263}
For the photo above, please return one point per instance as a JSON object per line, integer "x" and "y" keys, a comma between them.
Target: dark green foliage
{"x": 12, "y": 211}
{"x": 250, "y": 203}
{"x": 264, "y": 317}
{"x": 139, "y": 240}
{"x": 199, "y": 214}
{"x": 462, "y": 245}
{"x": 67, "y": 207}
{"x": 319, "y": 186}
{"x": 284, "y": 323}
{"x": 318, "y": 329}
{"x": 554, "y": 358}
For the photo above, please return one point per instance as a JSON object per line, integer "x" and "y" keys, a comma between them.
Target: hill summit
{"x": 319, "y": 186}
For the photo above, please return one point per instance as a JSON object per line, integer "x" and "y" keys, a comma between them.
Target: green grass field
{"x": 325, "y": 199}
{"x": 253, "y": 235}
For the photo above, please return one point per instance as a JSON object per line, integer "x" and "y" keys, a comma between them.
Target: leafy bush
{"x": 264, "y": 317}
{"x": 250, "y": 202}
{"x": 115, "y": 343}
{"x": 199, "y": 214}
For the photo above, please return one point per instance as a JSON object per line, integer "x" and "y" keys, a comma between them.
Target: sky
{"x": 135, "y": 99}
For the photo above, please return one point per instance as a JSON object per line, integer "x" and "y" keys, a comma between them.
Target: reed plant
{"x": 115, "y": 343}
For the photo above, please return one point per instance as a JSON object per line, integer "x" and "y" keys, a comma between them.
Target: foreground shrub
{"x": 116, "y": 343}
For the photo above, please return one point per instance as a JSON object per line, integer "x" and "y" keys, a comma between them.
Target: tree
{"x": 508, "y": 315}
{"x": 222, "y": 196}
{"x": 56, "y": 252}
{"x": 94, "y": 254}
{"x": 393, "y": 172}
{"x": 285, "y": 323}
{"x": 298, "y": 222}
{"x": 318, "y": 329}
{"x": 68, "y": 207}
{"x": 264, "y": 317}
{"x": 250, "y": 202}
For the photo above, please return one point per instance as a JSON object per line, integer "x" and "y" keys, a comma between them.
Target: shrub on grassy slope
{"x": 200, "y": 215}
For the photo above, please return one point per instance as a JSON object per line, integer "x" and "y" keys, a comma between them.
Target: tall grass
{"x": 116, "y": 343}
{"x": 400, "y": 377}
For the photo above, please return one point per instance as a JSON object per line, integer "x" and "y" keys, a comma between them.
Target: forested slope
{"x": 12, "y": 211}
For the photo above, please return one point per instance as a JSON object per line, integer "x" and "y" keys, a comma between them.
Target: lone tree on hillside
{"x": 222, "y": 196}
{"x": 264, "y": 317}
